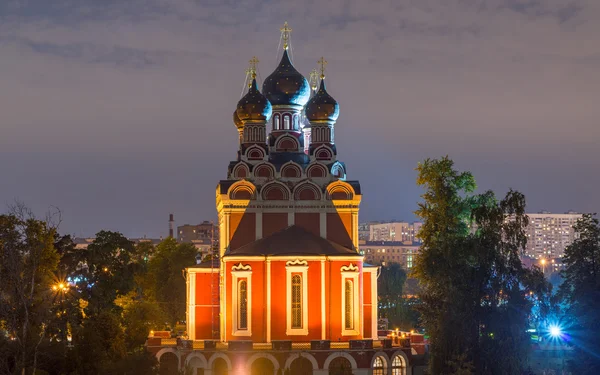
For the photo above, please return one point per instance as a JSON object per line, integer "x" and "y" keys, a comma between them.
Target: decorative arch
{"x": 404, "y": 363}
{"x": 291, "y": 170}
{"x": 241, "y": 170}
{"x": 196, "y": 357}
{"x": 316, "y": 170}
{"x": 264, "y": 170}
{"x": 386, "y": 361}
{"x": 307, "y": 191}
{"x": 167, "y": 351}
{"x": 222, "y": 356}
{"x": 340, "y": 354}
{"x": 340, "y": 190}
{"x": 262, "y": 355}
{"x": 337, "y": 170}
{"x": 275, "y": 191}
{"x": 242, "y": 190}
{"x": 295, "y": 356}
{"x": 323, "y": 153}
{"x": 286, "y": 143}
{"x": 255, "y": 153}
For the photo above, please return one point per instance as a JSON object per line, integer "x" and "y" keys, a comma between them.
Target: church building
{"x": 289, "y": 276}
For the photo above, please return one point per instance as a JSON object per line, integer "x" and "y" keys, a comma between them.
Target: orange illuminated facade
{"x": 289, "y": 266}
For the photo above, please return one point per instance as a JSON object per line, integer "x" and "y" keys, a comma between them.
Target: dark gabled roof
{"x": 225, "y": 184}
{"x": 355, "y": 185}
{"x": 293, "y": 240}
{"x": 215, "y": 263}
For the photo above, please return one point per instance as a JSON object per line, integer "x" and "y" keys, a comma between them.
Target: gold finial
{"x": 285, "y": 35}
{"x": 323, "y": 64}
{"x": 251, "y": 71}
{"x": 314, "y": 79}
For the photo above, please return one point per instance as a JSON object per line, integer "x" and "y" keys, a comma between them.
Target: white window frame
{"x": 296, "y": 267}
{"x": 236, "y": 276}
{"x": 350, "y": 273}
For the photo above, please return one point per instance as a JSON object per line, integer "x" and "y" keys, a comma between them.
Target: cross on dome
{"x": 285, "y": 35}
{"x": 323, "y": 64}
{"x": 314, "y": 80}
{"x": 253, "y": 66}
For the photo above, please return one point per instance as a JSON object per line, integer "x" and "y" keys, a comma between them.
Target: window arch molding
{"x": 380, "y": 363}
{"x": 350, "y": 300}
{"x": 296, "y": 270}
{"x": 241, "y": 274}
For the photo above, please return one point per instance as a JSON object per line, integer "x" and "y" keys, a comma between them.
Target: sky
{"x": 118, "y": 112}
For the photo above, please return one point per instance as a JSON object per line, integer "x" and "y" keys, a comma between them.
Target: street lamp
{"x": 543, "y": 262}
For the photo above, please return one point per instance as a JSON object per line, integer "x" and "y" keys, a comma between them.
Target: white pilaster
{"x": 259, "y": 225}
{"x": 268, "y": 300}
{"x": 323, "y": 307}
{"x": 323, "y": 224}
{"x": 291, "y": 219}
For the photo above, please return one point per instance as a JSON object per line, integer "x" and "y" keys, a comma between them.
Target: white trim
{"x": 245, "y": 258}
{"x": 350, "y": 273}
{"x": 323, "y": 306}
{"x": 216, "y": 355}
{"x": 170, "y": 350}
{"x": 387, "y": 364}
{"x": 191, "y": 323}
{"x": 290, "y": 268}
{"x": 374, "y": 305}
{"x": 268, "y": 300}
{"x": 401, "y": 354}
{"x": 235, "y": 275}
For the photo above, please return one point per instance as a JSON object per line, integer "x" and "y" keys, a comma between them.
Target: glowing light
{"x": 555, "y": 331}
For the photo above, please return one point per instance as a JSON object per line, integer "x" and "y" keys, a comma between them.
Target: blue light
{"x": 555, "y": 331}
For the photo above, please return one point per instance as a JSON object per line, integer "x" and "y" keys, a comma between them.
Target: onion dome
{"x": 322, "y": 107}
{"x": 236, "y": 120}
{"x": 286, "y": 85}
{"x": 254, "y": 106}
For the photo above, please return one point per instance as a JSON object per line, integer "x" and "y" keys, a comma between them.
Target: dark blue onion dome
{"x": 236, "y": 120}
{"x": 322, "y": 107}
{"x": 286, "y": 85}
{"x": 254, "y": 106}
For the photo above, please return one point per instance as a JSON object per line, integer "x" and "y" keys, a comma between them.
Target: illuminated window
{"x": 276, "y": 121}
{"x": 349, "y": 304}
{"x": 397, "y": 366}
{"x": 296, "y": 301}
{"x": 379, "y": 366}
{"x": 286, "y": 121}
{"x": 243, "y": 305}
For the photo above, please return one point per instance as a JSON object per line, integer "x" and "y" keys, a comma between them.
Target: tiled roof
{"x": 293, "y": 240}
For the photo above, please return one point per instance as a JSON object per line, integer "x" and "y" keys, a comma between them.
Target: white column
{"x": 374, "y": 305}
{"x": 355, "y": 229}
{"x": 268, "y": 300}
{"x": 323, "y": 307}
{"x": 323, "y": 224}
{"x": 259, "y": 225}
{"x": 291, "y": 219}
{"x": 191, "y": 323}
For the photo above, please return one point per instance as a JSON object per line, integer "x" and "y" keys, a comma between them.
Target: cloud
{"x": 509, "y": 82}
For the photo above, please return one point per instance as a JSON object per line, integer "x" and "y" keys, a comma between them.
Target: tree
{"x": 580, "y": 291}
{"x": 106, "y": 270}
{"x": 474, "y": 295}
{"x": 28, "y": 262}
{"x": 390, "y": 288}
{"x": 165, "y": 277}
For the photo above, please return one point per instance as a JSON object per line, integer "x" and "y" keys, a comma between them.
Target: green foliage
{"x": 474, "y": 289}
{"x": 28, "y": 261}
{"x": 140, "y": 316}
{"x": 165, "y": 277}
{"x": 399, "y": 310}
{"x": 580, "y": 291}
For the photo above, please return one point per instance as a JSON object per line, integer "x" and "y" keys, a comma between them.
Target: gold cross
{"x": 253, "y": 65}
{"x": 314, "y": 77}
{"x": 285, "y": 34}
{"x": 323, "y": 64}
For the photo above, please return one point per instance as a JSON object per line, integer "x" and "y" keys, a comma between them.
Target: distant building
{"x": 549, "y": 234}
{"x": 385, "y": 252}
{"x": 395, "y": 231}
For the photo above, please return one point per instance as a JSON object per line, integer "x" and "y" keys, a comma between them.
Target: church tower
{"x": 288, "y": 220}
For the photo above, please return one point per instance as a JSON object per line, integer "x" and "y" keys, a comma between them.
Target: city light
{"x": 555, "y": 331}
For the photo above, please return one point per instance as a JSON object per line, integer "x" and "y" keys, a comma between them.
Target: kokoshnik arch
{"x": 289, "y": 266}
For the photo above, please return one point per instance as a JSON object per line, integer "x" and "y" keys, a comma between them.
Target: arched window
{"x": 340, "y": 366}
{"x": 296, "y": 301}
{"x": 276, "y": 121}
{"x": 379, "y": 366}
{"x": 286, "y": 121}
{"x": 220, "y": 367}
{"x": 397, "y": 366}
{"x": 349, "y": 304}
{"x": 243, "y": 304}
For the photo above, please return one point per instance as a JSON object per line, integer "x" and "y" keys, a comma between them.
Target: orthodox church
{"x": 289, "y": 275}
{"x": 288, "y": 217}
